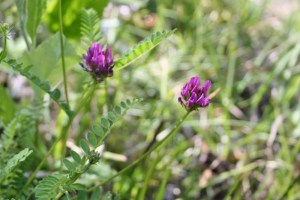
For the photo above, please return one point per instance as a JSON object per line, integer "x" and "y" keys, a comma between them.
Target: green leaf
{"x": 77, "y": 186}
{"x": 35, "y": 9}
{"x": 128, "y": 102}
{"x": 96, "y": 194}
{"x": 50, "y": 186}
{"x": 70, "y": 166}
{"x": 85, "y": 147}
{"x": 92, "y": 139}
{"x": 46, "y": 60}
{"x": 141, "y": 48}
{"x": 76, "y": 157}
{"x": 55, "y": 94}
{"x": 111, "y": 116}
{"x": 98, "y": 130}
{"x": 39, "y": 84}
{"x": 123, "y": 104}
{"x": 71, "y": 10}
{"x": 7, "y": 106}
{"x": 89, "y": 26}
{"x": 14, "y": 162}
{"x": 117, "y": 110}
{"x": 82, "y": 195}
{"x": 105, "y": 123}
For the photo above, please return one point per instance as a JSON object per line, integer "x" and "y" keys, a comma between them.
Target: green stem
{"x": 62, "y": 50}
{"x": 64, "y": 134}
{"x": 106, "y": 94}
{"x": 158, "y": 145}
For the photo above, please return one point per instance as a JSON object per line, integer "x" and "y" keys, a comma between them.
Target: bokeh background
{"x": 243, "y": 146}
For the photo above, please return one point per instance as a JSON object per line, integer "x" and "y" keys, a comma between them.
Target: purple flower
{"x": 193, "y": 96}
{"x": 98, "y": 63}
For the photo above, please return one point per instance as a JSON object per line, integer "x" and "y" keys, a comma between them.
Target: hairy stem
{"x": 62, "y": 50}
{"x": 158, "y": 145}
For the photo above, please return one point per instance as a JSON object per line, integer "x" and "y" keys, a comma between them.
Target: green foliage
{"x": 4, "y": 31}
{"x": 89, "y": 27}
{"x": 18, "y": 134}
{"x": 71, "y": 10}
{"x": 59, "y": 184}
{"x": 20, "y": 131}
{"x": 50, "y": 186}
{"x": 14, "y": 162}
{"x": 7, "y": 106}
{"x": 35, "y": 10}
{"x": 100, "y": 130}
{"x": 142, "y": 48}
{"x": 54, "y": 94}
{"x": 46, "y": 60}
{"x": 10, "y": 174}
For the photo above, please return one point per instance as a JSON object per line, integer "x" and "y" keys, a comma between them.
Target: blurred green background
{"x": 243, "y": 146}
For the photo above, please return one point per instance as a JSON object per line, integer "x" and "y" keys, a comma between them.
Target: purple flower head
{"x": 193, "y": 96}
{"x": 98, "y": 63}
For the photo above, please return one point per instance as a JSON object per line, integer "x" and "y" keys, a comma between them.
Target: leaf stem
{"x": 62, "y": 50}
{"x": 158, "y": 145}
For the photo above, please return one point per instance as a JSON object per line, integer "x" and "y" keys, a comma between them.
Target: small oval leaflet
{"x": 85, "y": 147}
{"x": 117, "y": 110}
{"x": 70, "y": 166}
{"x": 123, "y": 104}
{"x": 111, "y": 116}
{"x": 98, "y": 130}
{"x": 92, "y": 139}
{"x": 76, "y": 157}
{"x": 105, "y": 123}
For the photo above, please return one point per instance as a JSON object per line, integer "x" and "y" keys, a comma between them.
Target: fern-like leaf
{"x": 103, "y": 129}
{"x": 142, "y": 48}
{"x": 50, "y": 186}
{"x": 14, "y": 162}
{"x": 89, "y": 26}
{"x": 54, "y": 94}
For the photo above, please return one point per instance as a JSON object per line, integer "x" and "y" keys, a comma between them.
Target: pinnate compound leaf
{"x": 141, "y": 48}
{"x": 50, "y": 186}
{"x": 108, "y": 122}
{"x": 14, "y": 162}
{"x": 39, "y": 83}
{"x": 89, "y": 26}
